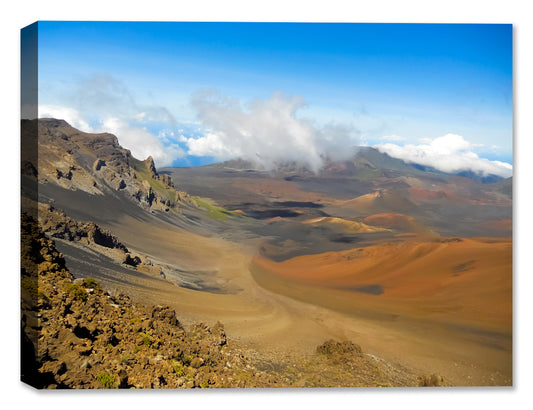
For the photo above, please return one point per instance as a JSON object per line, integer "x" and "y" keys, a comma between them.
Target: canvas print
{"x": 241, "y": 205}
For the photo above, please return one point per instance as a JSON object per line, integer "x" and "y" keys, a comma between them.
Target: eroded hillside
{"x": 77, "y": 335}
{"x": 96, "y": 164}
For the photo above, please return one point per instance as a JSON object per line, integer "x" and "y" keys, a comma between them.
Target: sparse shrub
{"x": 90, "y": 283}
{"x": 147, "y": 339}
{"x": 215, "y": 212}
{"x": 76, "y": 291}
{"x": 106, "y": 380}
{"x": 187, "y": 359}
{"x": 179, "y": 369}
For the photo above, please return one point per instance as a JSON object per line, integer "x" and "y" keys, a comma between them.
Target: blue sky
{"x": 200, "y": 92}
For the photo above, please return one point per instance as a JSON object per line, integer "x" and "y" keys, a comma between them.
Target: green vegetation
{"x": 164, "y": 191}
{"x": 147, "y": 339}
{"x": 76, "y": 291}
{"x": 106, "y": 380}
{"x": 90, "y": 283}
{"x": 187, "y": 359}
{"x": 215, "y": 212}
{"x": 179, "y": 368}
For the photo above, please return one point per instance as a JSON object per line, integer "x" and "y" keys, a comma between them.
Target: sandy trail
{"x": 252, "y": 314}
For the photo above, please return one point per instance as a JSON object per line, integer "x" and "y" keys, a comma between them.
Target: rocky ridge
{"x": 96, "y": 164}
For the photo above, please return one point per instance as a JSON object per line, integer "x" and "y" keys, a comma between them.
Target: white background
{"x": 19, "y": 14}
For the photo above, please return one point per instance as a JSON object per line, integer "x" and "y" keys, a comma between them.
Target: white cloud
{"x": 211, "y": 145}
{"x": 266, "y": 132}
{"x": 392, "y": 138}
{"x": 142, "y": 143}
{"x": 68, "y": 114}
{"x": 450, "y": 153}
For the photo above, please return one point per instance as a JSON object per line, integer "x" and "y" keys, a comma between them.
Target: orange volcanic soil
{"x": 398, "y": 222}
{"x": 422, "y": 195}
{"x": 456, "y": 280}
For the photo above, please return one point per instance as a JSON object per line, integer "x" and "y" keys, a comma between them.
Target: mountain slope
{"x": 98, "y": 165}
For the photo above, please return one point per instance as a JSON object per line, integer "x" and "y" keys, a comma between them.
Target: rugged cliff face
{"x": 96, "y": 164}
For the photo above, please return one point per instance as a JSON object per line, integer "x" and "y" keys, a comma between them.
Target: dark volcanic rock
{"x": 98, "y": 164}
{"x": 58, "y": 225}
{"x": 131, "y": 260}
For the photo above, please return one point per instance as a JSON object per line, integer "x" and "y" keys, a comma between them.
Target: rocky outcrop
{"x": 97, "y": 164}
{"x": 58, "y": 225}
{"x": 336, "y": 349}
{"x": 131, "y": 260}
{"x": 167, "y": 180}
{"x": 152, "y": 171}
{"x": 150, "y": 166}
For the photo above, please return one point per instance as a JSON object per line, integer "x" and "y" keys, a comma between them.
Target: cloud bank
{"x": 142, "y": 143}
{"x": 266, "y": 132}
{"x": 450, "y": 153}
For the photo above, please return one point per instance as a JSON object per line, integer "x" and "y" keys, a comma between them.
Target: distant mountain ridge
{"x": 366, "y": 161}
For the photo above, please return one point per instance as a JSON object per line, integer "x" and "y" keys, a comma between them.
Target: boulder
{"x": 334, "y": 348}
{"x": 98, "y": 164}
{"x": 131, "y": 260}
{"x": 165, "y": 314}
{"x": 433, "y": 380}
